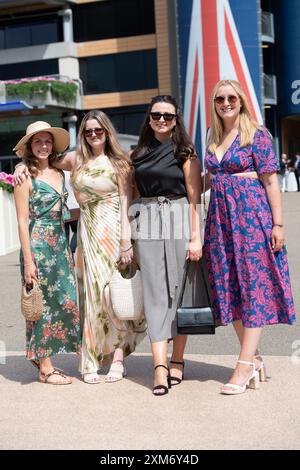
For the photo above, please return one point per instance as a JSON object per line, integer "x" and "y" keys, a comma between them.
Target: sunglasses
{"x": 168, "y": 117}
{"x": 98, "y": 131}
{"x": 232, "y": 99}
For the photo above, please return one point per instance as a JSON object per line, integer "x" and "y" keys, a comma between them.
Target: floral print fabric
{"x": 58, "y": 329}
{"x": 99, "y": 232}
{"x": 249, "y": 282}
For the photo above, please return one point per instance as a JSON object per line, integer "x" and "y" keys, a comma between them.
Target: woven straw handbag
{"x": 32, "y": 301}
{"x": 124, "y": 295}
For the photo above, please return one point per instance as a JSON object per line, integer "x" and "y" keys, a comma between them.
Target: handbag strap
{"x": 185, "y": 275}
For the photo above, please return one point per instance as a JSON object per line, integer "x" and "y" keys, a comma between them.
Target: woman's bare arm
{"x": 125, "y": 192}
{"x": 21, "y": 194}
{"x": 192, "y": 175}
{"x": 67, "y": 163}
{"x": 271, "y": 185}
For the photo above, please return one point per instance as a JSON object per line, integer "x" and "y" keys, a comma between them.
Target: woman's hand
{"x": 194, "y": 252}
{"x": 126, "y": 252}
{"x": 277, "y": 238}
{"x": 30, "y": 273}
{"x": 21, "y": 172}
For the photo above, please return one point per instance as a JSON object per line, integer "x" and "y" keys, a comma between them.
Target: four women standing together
{"x": 244, "y": 240}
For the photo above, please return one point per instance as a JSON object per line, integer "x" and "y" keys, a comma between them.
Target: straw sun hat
{"x": 61, "y": 138}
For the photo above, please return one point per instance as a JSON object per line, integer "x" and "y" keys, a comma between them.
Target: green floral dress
{"x": 99, "y": 233}
{"x": 58, "y": 329}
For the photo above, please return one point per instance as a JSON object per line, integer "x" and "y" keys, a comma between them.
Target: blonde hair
{"x": 247, "y": 125}
{"x": 113, "y": 150}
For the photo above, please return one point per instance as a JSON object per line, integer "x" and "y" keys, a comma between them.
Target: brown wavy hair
{"x": 32, "y": 162}
{"x": 183, "y": 146}
{"x": 113, "y": 150}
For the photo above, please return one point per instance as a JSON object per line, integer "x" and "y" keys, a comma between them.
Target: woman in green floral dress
{"x": 45, "y": 257}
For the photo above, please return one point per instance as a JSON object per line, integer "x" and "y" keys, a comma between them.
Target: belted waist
{"x": 160, "y": 199}
{"x": 164, "y": 204}
{"x": 224, "y": 176}
{"x": 249, "y": 174}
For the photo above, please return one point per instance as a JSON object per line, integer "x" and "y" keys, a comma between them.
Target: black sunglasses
{"x": 232, "y": 99}
{"x": 98, "y": 132}
{"x": 167, "y": 116}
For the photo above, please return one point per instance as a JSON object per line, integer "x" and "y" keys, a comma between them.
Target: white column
{"x": 71, "y": 120}
{"x": 67, "y": 24}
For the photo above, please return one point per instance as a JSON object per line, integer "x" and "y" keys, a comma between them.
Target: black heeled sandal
{"x": 177, "y": 380}
{"x": 162, "y": 387}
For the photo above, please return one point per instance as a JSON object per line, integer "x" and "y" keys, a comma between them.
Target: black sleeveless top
{"x": 158, "y": 172}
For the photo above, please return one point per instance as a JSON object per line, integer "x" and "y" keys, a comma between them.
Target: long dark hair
{"x": 183, "y": 146}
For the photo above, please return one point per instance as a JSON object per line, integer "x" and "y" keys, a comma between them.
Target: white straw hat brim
{"x": 61, "y": 138}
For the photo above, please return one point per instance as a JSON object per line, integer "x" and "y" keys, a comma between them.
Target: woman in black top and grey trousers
{"x": 166, "y": 225}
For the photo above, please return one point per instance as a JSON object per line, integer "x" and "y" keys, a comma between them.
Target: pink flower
{"x": 10, "y": 180}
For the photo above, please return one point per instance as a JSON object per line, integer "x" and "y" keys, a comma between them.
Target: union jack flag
{"x": 215, "y": 52}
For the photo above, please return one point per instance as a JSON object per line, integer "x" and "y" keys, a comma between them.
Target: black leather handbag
{"x": 199, "y": 318}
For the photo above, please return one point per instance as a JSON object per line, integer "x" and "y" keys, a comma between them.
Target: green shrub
{"x": 27, "y": 89}
{"x": 61, "y": 91}
{"x": 64, "y": 91}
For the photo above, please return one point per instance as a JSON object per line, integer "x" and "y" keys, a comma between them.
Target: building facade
{"x": 115, "y": 52}
{"x": 255, "y": 42}
{"x": 59, "y": 59}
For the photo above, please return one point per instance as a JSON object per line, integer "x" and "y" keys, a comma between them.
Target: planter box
{"x": 40, "y": 101}
{"x": 9, "y": 237}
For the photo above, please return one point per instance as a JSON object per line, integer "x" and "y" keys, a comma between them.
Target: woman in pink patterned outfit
{"x": 244, "y": 238}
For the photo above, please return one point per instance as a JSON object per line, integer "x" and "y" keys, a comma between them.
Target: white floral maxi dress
{"x": 99, "y": 232}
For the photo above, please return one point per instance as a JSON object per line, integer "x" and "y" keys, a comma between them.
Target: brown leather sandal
{"x": 44, "y": 378}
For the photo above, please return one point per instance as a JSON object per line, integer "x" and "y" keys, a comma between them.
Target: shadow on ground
{"x": 139, "y": 370}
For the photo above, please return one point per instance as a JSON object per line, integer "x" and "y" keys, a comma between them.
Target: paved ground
{"x": 125, "y": 415}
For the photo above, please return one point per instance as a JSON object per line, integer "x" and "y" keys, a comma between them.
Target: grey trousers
{"x": 161, "y": 230}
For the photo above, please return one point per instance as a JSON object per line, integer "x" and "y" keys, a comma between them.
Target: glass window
{"x": 128, "y": 119}
{"x": 17, "y": 36}
{"x": 8, "y": 164}
{"x": 2, "y": 38}
{"x": 12, "y": 129}
{"x": 44, "y": 33}
{"x": 126, "y": 71}
{"x": 113, "y": 18}
{"x": 29, "y": 69}
{"x": 22, "y": 33}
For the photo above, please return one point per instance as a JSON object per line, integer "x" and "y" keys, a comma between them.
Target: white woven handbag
{"x": 125, "y": 296}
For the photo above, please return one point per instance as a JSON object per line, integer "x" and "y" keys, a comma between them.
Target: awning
{"x": 14, "y": 106}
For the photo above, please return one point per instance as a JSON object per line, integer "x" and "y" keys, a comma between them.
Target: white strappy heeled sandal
{"x": 251, "y": 382}
{"x": 116, "y": 372}
{"x": 262, "y": 372}
{"x": 91, "y": 378}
